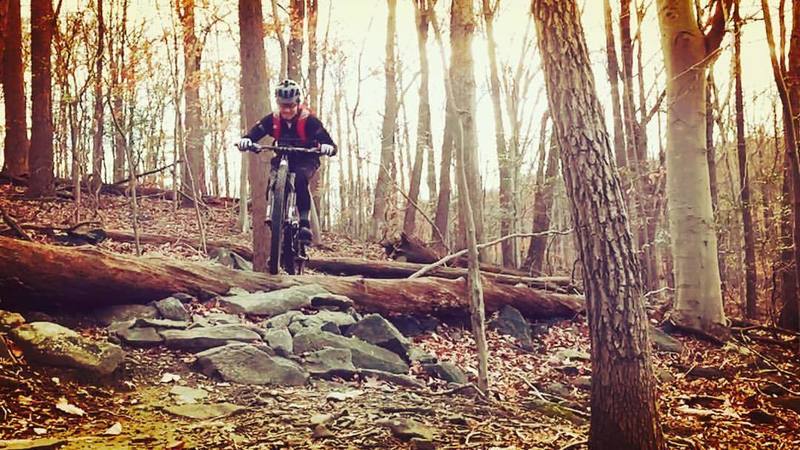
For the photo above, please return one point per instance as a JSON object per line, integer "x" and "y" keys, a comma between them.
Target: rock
{"x": 664, "y": 342}
{"x": 204, "y": 412}
{"x": 185, "y": 395}
{"x": 52, "y": 344}
{"x": 183, "y": 297}
{"x": 558, "y": 389}
{"x": 326, "y": 299}
{"x": 140, "y": 337}
{"x": 664, "y": 375}
{"x": 539, "y": 328}
{"x": 231, "y": 259}
{"x": 272, "y": 303}
{"x": 417, "y": 354}
{"x": 428, "y": 323}
{"x": 122, "y": 313}
{"x": 281, "y": 320}
{"x": 572, "y": 354}
{"x": 9, "y": 320}
{"x": 341, "y": 319}
{"x": 330, "y": 362}
{"x": 364, "y": 354}
{"x": 330, "y": 321}
{"x": 422, "y": 444}
{"x": 446, "y": 371}
{"x": 32, "y": 444}
{"x": 407, "y": 429}
{"x": 279, "y": 340}
{"x": 396, "y": 378}
{"x": 321, "y": 431}
{"x": 407, "y": 324}
{"x": 583, "y": 382}
{"x": 161, "y": 324}
{"x": 198, "y": 339}
{"x": 246, "y": 364}
{"x": 215, "y": 319}
{"x": 374, "y": 329}
{"x": 171, "y": 308}
{"x": 512, "y": 323}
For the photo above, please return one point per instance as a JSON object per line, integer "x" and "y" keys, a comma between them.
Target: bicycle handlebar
{"x": 258, "y": 148}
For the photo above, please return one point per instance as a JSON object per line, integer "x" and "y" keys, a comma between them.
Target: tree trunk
{"x": 613, "y": 76}
{"x": 623, "y": 403}
{"x": 442, "y": 217}
{"x": 97, "y": 119}
{"x": 41, "y": 152}
{"x": 462, "y": 75}
{"x": 193, "y": 175}
{"x": 424, "y": 138}
{"x": 3, "y": 27}
{"x": 16, "y": 145}
{"x": 744, "y": 179}
{"x": 698, "y": 304}
{"x": 504, "y": 162}
{"x": 383, "y": 186}
{"x": 117, "y": 58}
{"x": 541, "y": 210}
{"x": 295, "y": 51}
{"x": 32, "y": 276}
{"x": 256, "y": 105}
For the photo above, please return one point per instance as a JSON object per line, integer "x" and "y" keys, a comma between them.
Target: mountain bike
{"x": 283, "y": 217}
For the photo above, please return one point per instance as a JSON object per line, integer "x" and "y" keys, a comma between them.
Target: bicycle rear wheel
{"x": 278, "y": 216}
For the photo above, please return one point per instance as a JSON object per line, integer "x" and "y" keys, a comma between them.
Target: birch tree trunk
{"x": 256, "y": 105}
{"x": 16, "y": 144}
{"x": 623, "y": 402}
{"x": 698, "y": 303}
{"x": 383, "y": 186}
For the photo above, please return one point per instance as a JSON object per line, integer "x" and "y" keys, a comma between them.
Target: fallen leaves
{"x": 69, "y": 408}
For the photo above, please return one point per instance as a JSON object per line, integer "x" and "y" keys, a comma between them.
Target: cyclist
{"x": 294, "y": 126}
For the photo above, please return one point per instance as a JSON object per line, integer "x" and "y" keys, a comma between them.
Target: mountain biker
{"x": 294, "y": 126}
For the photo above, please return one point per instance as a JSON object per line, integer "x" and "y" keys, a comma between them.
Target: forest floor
{"x": 733, "y": 396}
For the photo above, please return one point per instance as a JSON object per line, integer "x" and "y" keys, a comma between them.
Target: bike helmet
{"x": 288, "y": 91}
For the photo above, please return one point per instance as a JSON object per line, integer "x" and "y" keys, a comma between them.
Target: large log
{"x": 34, "y": 275}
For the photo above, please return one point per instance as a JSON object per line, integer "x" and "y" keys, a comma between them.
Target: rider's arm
{"x": 262, "y": 128}
{"x": 317, "y": 132}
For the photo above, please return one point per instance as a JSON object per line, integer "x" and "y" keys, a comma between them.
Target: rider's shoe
{"x": 304, "y": 233}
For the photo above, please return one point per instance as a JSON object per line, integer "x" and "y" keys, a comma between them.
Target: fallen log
{"x": 366, "y": 268}
{"x": 40, "y": 276}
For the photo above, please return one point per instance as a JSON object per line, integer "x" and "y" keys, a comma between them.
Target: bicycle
{"x": 283, "y": 218}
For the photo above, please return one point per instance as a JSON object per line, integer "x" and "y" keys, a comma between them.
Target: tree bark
{"x": 3, "y": 27}
{"x": 37, "y": 279}
{"x": 424, "y": 138}
{"x": 462, "y": 76}
{"x": 41, "y": 152}
{"x": 256, "y": 105}
{"x": 16, "y": 145}
{"x": 383, "y": 186}
{"x": 623, "y": 402}
{"x": 613, "y": 76}
{"x": 97, "y": 119}
{"x": 295, "y": 51}
{"x": 744, "y": 179}
{"x": 541, "y": 210}
{"x": 698, "y": 304}
{"x": 193, "y": 174}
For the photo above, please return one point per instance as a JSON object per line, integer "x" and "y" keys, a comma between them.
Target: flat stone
{"x": 52, "y": 344}
{"x": 198, "y": 339}
{"x": 416, "y": 354}
{"x": 407, "y": 428}
{"x": 32, "y": 444}
{"x": 330, "y": 362}
{"x": 140, "y": 337}
{"x": 407, "y": 324}
{"x": 512, "y": 323}
{"x": 161, "y": 324}
{"x": 664, "y": 375}
{"x": 572, "y": 354}
{"x": 326, "y": 299}
{"x": 185, "y": 395}
{"x": 281, "y": 320}
{"x": 374, "y": 329}
{"x": 331, "y": 321}
{"x": 246, "y": 364}
{"x": 583, "y": 382}
{"x": 9, "y": 320}
{"x": 215, "y": 319}
{"x": 664, "y": 342}
{"x": 272, "y": 303}
{"x": 203, "y": 412}
{"x": 183, "y": 297}
{"x": 280, "y": 340}
{"x": 122, "y": 313}
{"x": 171, "y": 308}
{"x": 446, "y": 371}
{"x": 364, "y": 354}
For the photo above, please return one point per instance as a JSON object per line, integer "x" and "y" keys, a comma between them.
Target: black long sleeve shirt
{"x": 315, "y": 132}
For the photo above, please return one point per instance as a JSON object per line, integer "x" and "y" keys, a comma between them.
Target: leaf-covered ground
{"x": 736, "y": 396}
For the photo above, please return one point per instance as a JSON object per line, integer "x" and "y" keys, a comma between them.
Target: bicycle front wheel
{"x": 278, "y": 216}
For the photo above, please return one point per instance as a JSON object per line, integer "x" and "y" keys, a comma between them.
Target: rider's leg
{"x": 304, "y": 172}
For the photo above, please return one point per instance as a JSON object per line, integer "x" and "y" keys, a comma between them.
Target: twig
{"x": 575, "y": 444}
{"x": 459, "y": 253}
{"x": 14, "y": 226}
{"x": 769, "y": 361}
{"x": 149, "y": 172}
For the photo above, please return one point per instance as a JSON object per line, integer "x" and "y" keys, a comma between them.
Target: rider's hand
{"x": 245, "y": 144}
{"x": 327, "y": 149}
